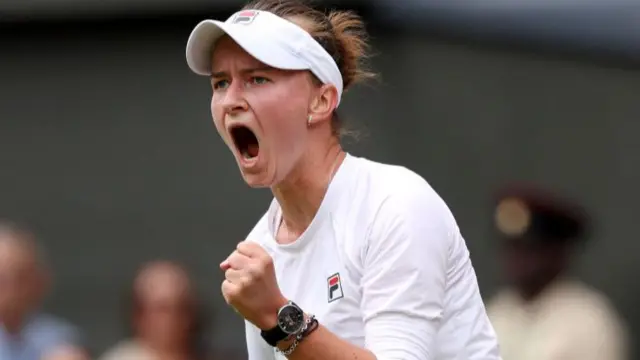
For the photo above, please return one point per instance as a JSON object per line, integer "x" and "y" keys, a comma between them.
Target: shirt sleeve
{"x": 257, "y": 348}
{"x": 404, "y": 274}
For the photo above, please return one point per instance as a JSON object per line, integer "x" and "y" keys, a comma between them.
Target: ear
{"x": 323, "y": 104}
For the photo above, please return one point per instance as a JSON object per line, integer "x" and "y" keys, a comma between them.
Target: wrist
{"x": 287, "y": 342}
{"x": 288, "y": 346}
{"x": 289, "y": 325}
{"x": 269, "y": 319}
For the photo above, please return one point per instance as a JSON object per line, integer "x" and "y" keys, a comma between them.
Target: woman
{"x": 354, "y": 259}
{"x": 163, "y": 315}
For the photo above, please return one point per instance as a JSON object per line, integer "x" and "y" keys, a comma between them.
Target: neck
{"x": 532, "y": 290}
{"x": 301, "y": 194}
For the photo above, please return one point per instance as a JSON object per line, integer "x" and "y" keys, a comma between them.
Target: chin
{"x": 257, "y": 180}
{"x": 257, "y": 184}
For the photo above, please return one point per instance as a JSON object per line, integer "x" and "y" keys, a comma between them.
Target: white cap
{"x": 267, "y": 37}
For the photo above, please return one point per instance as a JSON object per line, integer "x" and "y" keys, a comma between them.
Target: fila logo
{"x": 245, "y": 17}
{"x": 334, "y": 285}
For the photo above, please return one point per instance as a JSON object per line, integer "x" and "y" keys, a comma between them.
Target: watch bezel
{"x": 291, "y": 306}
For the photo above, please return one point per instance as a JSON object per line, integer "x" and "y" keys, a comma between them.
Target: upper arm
{"x": 404, "y": 275}
{"x": 257, "y": 348}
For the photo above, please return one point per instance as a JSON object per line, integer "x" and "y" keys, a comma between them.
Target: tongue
{"x": 252, "y": 150}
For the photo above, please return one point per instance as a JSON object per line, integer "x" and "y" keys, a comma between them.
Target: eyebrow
{"x": 220, "y": 74}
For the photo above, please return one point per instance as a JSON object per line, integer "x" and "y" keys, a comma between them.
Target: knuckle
{"x": 243, "y": 283}
{"x": 268, "y": 260}
{"x": 256, "y": 270}
{"x": 234, "y": 256}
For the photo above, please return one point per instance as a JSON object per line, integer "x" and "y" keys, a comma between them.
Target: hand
{"x": 250, "y": 285}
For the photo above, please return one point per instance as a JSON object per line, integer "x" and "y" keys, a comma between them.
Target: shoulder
{"x": 405, "y": 217}
{"x": 585, "y": 301}
{"x": 501, "y": 302}
{"x": 377, "y": 174}
{"x": 391, "y": 185}
{"x": 400, "y": 196}
{"x": 45, "y": 326}
{"x": 590, "y": 316}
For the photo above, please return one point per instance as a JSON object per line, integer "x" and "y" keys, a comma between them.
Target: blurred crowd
{"x": 541, "y": 313}
{"x": 166, "y": 321}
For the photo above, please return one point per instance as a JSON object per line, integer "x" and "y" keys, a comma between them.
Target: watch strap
{"x": 310, "y": 326}
{"x": 273, "y": 336}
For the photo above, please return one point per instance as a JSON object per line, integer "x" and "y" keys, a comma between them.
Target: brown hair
{"x": 341, "y": 33}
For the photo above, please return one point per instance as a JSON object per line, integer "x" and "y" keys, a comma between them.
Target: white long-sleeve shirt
{"x": 383, "y": 265}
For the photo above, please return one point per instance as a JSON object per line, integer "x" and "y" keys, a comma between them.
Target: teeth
{"x": 245, "y": 154}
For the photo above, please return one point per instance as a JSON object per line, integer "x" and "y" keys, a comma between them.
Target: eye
{"x": 219, "y": 84}
{"x": 259, "y": 80}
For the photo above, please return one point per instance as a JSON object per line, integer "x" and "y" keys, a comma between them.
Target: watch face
{"x": 291, "y": 319}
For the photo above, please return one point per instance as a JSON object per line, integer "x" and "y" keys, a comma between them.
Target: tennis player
{"x": 354, "y": 259}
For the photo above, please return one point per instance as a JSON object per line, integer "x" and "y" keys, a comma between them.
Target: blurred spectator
{"x": 544, "y": 314}
{"x": 165, "y": 317}
{"x": 25, "y": 332}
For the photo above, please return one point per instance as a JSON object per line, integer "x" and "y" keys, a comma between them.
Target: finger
{"x": 251, "y": 249}
{"x": 235, "y": 276}
{"x": 224, "y": 266}
{"x": 238, "y": 261}
{"x": 229, "y": 291}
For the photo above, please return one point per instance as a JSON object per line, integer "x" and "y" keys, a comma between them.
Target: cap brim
{"x": 204, "y": 36}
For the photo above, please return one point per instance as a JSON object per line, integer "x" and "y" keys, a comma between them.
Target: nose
{"x": 234, "y": 101}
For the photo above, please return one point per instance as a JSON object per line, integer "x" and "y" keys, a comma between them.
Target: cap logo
{"x": 245, "y": 17}
{"x": 513, "y": 217}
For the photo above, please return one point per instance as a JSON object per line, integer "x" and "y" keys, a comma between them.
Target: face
{"x": 165, "y": 310}
{"x": 260, "y": 112}
{"x": 530, "y": 265}
{"x": 20, "y": 280}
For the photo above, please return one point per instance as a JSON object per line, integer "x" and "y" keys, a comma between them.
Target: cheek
{"x": 284, "y": 122}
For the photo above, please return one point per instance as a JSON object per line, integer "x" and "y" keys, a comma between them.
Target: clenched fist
{"x": 250, "y": 285}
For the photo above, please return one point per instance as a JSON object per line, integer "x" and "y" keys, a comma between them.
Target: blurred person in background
{"x": 353, "y": 259}
{"x": 544, "y": 314}
{"x": 165, "y": 317}
{"x": 26, "y": 333}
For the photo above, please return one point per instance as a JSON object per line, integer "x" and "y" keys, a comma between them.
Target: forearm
{"x": 322, "y": 344}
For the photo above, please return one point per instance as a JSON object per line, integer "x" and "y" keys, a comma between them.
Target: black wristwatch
{"x": 290, "y": 322}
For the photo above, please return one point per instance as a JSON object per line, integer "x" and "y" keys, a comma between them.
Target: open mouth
{"x": 246, "y": 141}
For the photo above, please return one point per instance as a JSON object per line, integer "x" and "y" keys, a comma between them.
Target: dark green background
{"x": 108, "y": 150}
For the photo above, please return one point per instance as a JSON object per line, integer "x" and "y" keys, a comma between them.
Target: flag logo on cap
{"x": 334, "y": 287}
{"x": 245, "y": 17}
